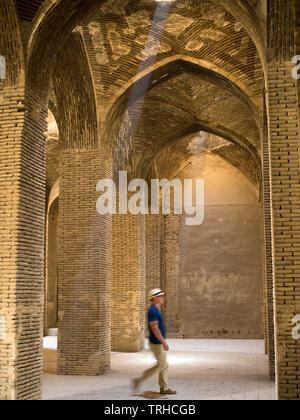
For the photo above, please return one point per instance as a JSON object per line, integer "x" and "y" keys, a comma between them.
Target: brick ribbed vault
{"x": 184, "y": 100}
{"x": 140, "y": 58}
{"x": 27, "y": 10}
{"x": 172, "y": 159}
{"x": 123, "y": 41}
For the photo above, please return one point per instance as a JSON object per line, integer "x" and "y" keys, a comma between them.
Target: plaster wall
{"x": 220, "y": 264}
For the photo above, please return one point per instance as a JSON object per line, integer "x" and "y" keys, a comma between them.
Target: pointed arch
{"x": 166, "y": 70}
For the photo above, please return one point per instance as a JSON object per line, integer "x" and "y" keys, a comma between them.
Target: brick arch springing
{"x": 248, "y": 17}
{"x": 51, "y": 30}
{"x": 74, "y": 92}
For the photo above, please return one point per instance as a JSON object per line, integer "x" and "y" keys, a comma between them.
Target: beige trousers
{"x": 161, "y": 367}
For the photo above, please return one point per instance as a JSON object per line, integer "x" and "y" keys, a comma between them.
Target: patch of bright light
{"x": 184, "y": 359}
{"x": 50, "y": 343}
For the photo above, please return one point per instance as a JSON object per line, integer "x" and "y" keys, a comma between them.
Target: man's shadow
{"x": 153, "y": 395}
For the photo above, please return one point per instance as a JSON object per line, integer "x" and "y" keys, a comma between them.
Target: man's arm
{"x": 156, "y": 331}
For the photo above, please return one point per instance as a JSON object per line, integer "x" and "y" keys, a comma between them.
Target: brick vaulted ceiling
{"x": 172, "y": 159}
{"x": 120, "y": 39}
{"x": 185, "y": 104}
{"x": 125, "y": 38}
{"x": 28, "y": 9}
{"x": 177, "y": 98}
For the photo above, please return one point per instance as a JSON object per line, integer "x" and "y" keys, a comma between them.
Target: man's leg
{"x": 163, "y": 370}
{"x": 147, "y": 374}
{"x": 151, "y": 371}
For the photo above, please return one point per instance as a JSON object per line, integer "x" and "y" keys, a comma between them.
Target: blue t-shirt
{"x": 154, "y": 314}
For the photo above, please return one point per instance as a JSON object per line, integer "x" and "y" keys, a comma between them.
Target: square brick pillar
{"x": 154, "y": 244}
{"x": 268, "y": 257}
{"x": 22, "y": 225}
{"x": 171, "y": 308}
{"x": 285, "y": 171}
{"x": 128, "y": 283}
{"x": 84, "y": 244}
{"x": 154, "y": 253}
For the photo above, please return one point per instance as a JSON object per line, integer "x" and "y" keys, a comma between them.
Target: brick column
{"x": 171, "y": 286}
{"x": 22, "y": 218}
{"x": 283, "y": 107}
{"x": 51, "y": 267}
{"x": 84, "y": 243}
{"x": 128, "y": 283}
{"x": 268, "y": 258}
{"x": 285, "y": 169}
{"x": 154, "y": 246}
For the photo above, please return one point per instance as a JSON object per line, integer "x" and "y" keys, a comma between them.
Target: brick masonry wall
{"x": 128, "y": 283}
{"x": 284, "y": 149}
{"x": 22, "y": 212}
{"x": 84, "y": 243}
{"x": 171, "y": 245}
{"x": 51, "y": 268}
{"x": 154, "y": 244}
{"x": 221, "y": 265}
{"x": 268, "y": 257}
{"x": 281, "y": 29}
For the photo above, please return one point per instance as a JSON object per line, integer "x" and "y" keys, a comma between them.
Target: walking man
{"x": 158, "y": 344}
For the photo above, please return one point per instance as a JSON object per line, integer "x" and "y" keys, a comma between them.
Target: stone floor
{"x": 199, "y": 370}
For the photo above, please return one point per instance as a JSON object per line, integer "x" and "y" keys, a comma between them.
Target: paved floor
{"x": 199, "y": 370}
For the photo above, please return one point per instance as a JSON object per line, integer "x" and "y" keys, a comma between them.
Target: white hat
{"x": 155, "y": 292}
